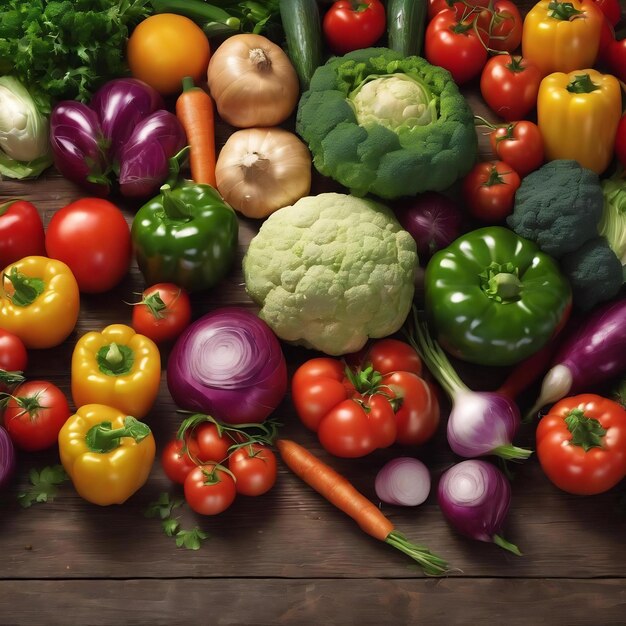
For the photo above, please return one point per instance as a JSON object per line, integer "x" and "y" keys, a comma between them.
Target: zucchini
{"x": 406, "y": 22}
{"x": 303, "y": 32}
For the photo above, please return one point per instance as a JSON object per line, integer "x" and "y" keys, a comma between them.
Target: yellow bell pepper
{"x": 107, "y": 455}
{"x": 39, "y": 301}
{"x": 562, "y": 36}
{"x": 578, "y": 114}
{"x": 116, "y": 367}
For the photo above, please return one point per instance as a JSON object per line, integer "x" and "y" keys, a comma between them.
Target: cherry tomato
{"x": 349, "y": 25}
{"x": 504, "y": 24}
{"x": 607, "y": 39}
{"x": 620, "y": 141}
{"x": 455, "y": 45}
{"x": 520, "y": 145}
{"x": 211, "y": 445}
{"x": 255, "y": 469}
{"x": 489, "y": 190}
{"x": 510, "y": 86}
{"x": 92, "y": 237}
{"x": 13, "y": 355}
{"x": 21, "y": 232}
{"x": 177, "y": 461}
{"x": 34, "y": 415}
{"x": 417, "y": 417}
{"x": 209, "y": 489}
{"x": 163, "y": 313}
{"x": 166, "y": 47}
{"x": 581, "y": 444}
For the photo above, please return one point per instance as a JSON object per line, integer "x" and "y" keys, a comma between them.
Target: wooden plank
{"x": 241, "y": 602}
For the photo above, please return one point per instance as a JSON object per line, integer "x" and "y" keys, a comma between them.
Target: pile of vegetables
{"x": 383, "y": 242}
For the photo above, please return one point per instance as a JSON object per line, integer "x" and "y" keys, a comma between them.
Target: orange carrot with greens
{"x": 194, "y": 109}
{"x": 339, "y": 492}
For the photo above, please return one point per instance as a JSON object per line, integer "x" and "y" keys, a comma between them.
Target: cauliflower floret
{"x": 331, "y": 271}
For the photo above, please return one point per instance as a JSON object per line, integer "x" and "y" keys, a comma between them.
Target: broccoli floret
{"x": 558, "y": 207}
{"x": 594, "y": 273}
{"x": 377, "y": 122}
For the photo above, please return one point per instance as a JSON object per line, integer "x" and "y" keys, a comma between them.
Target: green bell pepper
{"x": 186, "y": 235}
{"x": 494, "y": 298}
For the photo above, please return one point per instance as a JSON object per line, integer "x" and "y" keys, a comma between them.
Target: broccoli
{"x": 558, "y": 207}
{"x": 378, "y": 122}
{"x": 594, "y": 273}
{"x": 331, "y": 271}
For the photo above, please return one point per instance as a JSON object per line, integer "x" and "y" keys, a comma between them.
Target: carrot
{"x": 194, "y": 109}
{"x": 340, "y": 492}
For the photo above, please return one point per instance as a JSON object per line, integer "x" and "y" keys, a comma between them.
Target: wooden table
{"x": 289, "y": 557}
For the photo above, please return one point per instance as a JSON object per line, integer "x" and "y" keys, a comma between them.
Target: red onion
{"x": 230, "y": 365}
{"x": 593, "y": 354}
{"x": 432, "y": 219}
{"x": 474, "y": 496}
{"x": 7, "y": 458}
{"x": 480, "y": 422}
{"x": 403, "y": 481}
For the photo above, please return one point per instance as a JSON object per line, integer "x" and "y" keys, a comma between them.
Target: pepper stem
{"x": 501, "y": 282}
{"x": 582, "y": 83}
{"x": 563, "y": 11}
{"x": 103, "y": 438}
{"x": 26, "y": 289}
{"x": 115, "y": 359}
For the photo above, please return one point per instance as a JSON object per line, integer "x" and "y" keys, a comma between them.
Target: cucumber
{"x": 303, "y": 32}
{"x": 406, "y": 22}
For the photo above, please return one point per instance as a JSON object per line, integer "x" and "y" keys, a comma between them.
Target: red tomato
{"x": 418, "y": 415}
{"x": 510, "y": 86}
{"x": 611, "y": 9}
{"x": 616, "y": 58}
{"x": 489, "y": 190}
{"x": 455, "y": 45}
{"x": 581, "y": 444}
{"x": 163, "y": 313}
{"x": 92, "y": 237}
{"x": 13, "y": 355}
{"x": 607, "y": 39}
{"x": 349, "y": 25}
{"x": 21, "y": 232}
{"x": 34, "y": 415}
{"x": 176, "y": 461}
{"x": 211, "y": 446}
{"x": 620, "y": 141}
{"x": 209, "y": 489}
{"x": 504, "y": 24}
{"x": 392, "y": 355}
{"x": 436, "y": 6}
{"x": 255, "y": 469}
{"x": 520, "y": 145}
{"x": 352, "y": 416}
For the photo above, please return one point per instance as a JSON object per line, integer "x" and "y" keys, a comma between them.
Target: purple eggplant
{"x": 121, "y": 104}
{"x": 593, "y": 354}
{"x": 144, "y": 160}
{"x": 79, "y": 148}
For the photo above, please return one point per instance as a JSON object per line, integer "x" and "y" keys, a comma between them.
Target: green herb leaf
{"x": 190, "y": 539}
{"x": 170, "y": 526}
{"x": 44, "y": 485}
{"x": 163, "y": 507}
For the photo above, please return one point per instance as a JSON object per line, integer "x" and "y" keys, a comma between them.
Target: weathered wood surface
{"x": 289, "y": 557}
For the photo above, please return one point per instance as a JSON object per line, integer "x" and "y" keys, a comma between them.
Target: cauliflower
{"x": 331, "y": 271}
